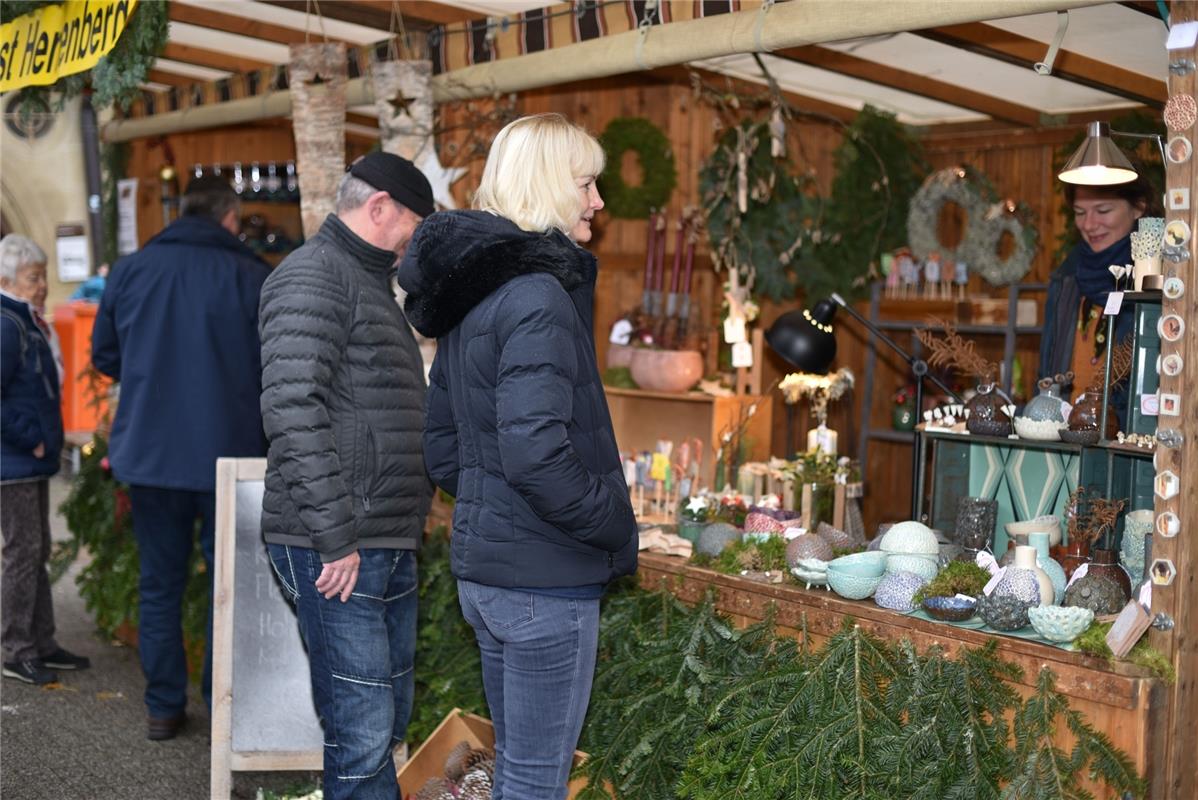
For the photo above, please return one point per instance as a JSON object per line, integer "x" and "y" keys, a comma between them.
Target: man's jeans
{"x": 538, "y": 656}
{"x": 360, "y": 655}
{"x": 164, "y": 522}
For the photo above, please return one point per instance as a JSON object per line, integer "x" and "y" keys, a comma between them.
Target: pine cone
{"x": 482, "y": 760}
{"x": 455, "y": 766}
{"x": 750, "y": 559}
{"x": 435, "y": 789}
{"x": 475, "y": 786}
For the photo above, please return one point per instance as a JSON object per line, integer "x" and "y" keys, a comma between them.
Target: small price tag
{"x": 1146, "y": 595}
{"x": 742, "y": 354}
{"x": 1114, "y": 302}
{"x": 1077, "y": 575}
{"x": 1182, "y": 35}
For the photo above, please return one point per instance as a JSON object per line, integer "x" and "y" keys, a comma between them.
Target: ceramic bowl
{"x": 910, "y": 537}
{"x": 807, "y": 545}
{"x": 1060, "y": 623}
{"x": 950, "y": 609}
{"x": 811, "y": 571}
{"x": 672, "y": 371}
{"x": 756, "y": 522}
{"x": 833, "y": 536}
{"x": 715, "y": 537}
{"x": 1038, "y": 430}
{"x": 925, "y": 566}
{"x": 1047, "y": 523}
{"x": 852, "y": 587}
{"x": 870, "y": 564}
{"x": 897, "y": 591}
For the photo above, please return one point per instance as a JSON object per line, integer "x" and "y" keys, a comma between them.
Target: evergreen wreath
{"x": 986, "y": 219}
{"x": 657, "y": 166}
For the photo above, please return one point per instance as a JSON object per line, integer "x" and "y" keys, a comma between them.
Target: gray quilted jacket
{"x": 342, "y": 401}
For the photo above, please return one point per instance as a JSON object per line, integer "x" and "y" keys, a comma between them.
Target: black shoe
{"x": 161, "y": 728}
{"x": 61, "y": 659}
{"x": 31, "y": 671}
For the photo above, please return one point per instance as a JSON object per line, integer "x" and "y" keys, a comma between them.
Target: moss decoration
{"x": 118, "y": 76}
{"x": 657, "y": 165}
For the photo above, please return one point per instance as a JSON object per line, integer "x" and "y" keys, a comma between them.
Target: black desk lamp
{"x": 806, "y": 340}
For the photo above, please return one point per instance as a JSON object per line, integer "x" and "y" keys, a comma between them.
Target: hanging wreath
{"x": 980, "y": 249}
{"x": 657, "y": 166}
{"x": 986, "y": 220}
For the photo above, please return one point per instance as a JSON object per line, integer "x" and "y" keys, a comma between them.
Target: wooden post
{"x": 1180, "y": 598}
{"x": 221, "y": 774}
{"x": 318, "y": 77}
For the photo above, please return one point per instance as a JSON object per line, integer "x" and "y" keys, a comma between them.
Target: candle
{"x": 822, "y": 438}
{"x": 690, "y": 258}
{"x": 650, "y": 249}
{"x": 660, "y": 270}
{"x": 677, "y": 259}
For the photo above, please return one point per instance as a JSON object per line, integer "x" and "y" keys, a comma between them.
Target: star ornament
{"x": 439, "y": 177}
{"x": 696, "y": 505}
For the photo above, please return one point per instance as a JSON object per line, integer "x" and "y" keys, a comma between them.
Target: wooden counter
{"x": 1119, "y": 701}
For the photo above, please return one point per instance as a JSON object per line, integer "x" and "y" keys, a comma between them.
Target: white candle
{"x": 822, "y": 438}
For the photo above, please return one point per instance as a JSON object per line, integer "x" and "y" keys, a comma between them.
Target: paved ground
{"x": 85, "y": 738}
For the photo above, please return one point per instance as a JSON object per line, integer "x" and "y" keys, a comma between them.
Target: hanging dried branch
{"x": 955, "y": 352}
{"x": 1088, "y": 519}
{"x": 1121, "y": 358}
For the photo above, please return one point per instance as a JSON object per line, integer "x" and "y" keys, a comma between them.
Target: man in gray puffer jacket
{"x": 346, "y": 489}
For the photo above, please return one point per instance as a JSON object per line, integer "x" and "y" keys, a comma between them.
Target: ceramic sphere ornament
{"x": 715, "y": 537}
{"x": 1097, "y": 593}
{"x": 1004, "y": 612}
{"x": 1180, "y": 112}
{"x": 807, "y": 545}
{"x": 910, "y": 537}
{"x": 1020, "y": 583}
{"x": 897, "y": 591}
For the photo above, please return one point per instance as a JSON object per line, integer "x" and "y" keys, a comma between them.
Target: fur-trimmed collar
{"x": 456, "y": 259}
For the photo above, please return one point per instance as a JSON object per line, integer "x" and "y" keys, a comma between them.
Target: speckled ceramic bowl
{"x": 852, "y": 587}
{"x": 923, "y": 566}
{"x": 870, "y": 564}
{"x": 1039, "y": 430}
{"x": 950, "y": 609}
{"x": 1060, "y": 623}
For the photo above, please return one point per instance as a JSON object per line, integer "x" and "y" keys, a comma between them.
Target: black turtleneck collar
{"x": 374, "y": 259}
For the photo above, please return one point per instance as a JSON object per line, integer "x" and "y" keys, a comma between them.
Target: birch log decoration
{"x": 318, "y": 78}
{"x": 403, "y": 93}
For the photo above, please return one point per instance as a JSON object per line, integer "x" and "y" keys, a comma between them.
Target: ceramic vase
{"x": 1137, "y": 525}
{"x": 1083, "y": 421}
{"x": 1055, "y": 572}
{"x": 1020, "y": 583}
{"x": 1046, "y": 406}
{"x": 1071, "y": 556}
{"x": 976, "y": 518}
{"x": 1104, "y": 563}
{"x": 986, "y": 417}
{"x": 1025, "y": 558}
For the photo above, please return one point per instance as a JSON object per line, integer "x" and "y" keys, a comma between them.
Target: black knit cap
{"x": 397, "y": 177}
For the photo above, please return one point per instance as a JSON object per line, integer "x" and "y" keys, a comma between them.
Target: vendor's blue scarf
{"x": 1094, "y": 277}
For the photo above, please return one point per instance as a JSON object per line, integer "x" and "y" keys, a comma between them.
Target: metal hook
{"x": 1162, "y": 622}
{"x": 1045, "y": 67}
{"x": 1182, "y": 66}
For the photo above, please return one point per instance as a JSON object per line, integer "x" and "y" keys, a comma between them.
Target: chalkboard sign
{"x": 262, "y": 713}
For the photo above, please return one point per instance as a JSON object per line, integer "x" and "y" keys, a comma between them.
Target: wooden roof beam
{"x": 245, "y": 26}
{"x": 854, "y": 66}
{"x": 211, "y": 58}
{"x": 377, "y": 13}
{"x": 988, "y": 40}
{"x": 173, "y": 79}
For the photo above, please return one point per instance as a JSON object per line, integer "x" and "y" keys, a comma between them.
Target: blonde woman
{"x": 518, "y": 431}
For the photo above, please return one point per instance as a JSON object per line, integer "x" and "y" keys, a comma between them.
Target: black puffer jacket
{"x": 342, "y": 401}
{"x": 518, "y": 427}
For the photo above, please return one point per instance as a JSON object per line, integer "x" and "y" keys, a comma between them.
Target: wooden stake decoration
{"x": 318, "y": 78}
{"x": 404, "y": 99}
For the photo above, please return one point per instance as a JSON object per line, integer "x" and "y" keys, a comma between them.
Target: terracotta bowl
{"x": 673, "y": 371}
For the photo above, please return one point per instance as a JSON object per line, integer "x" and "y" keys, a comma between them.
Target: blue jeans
{"x": 164, "y": 523}
{"x": 538, "y": 657}
{"x": 360, "y": 657}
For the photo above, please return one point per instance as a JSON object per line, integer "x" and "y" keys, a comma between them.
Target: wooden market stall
{"x": 626, "y": 70}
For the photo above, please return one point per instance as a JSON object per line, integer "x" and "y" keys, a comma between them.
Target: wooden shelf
{"x": 692, "y": 397}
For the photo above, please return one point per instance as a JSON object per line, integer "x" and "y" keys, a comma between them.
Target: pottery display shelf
{"x": 1122, "y": 701}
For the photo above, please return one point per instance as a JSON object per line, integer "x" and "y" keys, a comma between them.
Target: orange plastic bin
{"x": 74, "y": 322}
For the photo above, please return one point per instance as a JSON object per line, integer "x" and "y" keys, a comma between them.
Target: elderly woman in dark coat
{"x": 31, "y": 436}
{"x": 518, "y": 431}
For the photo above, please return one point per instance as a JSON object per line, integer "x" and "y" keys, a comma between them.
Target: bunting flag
{"x": 477, "y": 42}
{"x": 318, "y": 74}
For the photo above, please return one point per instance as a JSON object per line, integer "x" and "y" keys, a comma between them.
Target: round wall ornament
{"x": 657, "y": 166}
{"x": 986, "y": 220}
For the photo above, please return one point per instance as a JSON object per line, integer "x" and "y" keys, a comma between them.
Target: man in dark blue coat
{"x": 178, "y": 327}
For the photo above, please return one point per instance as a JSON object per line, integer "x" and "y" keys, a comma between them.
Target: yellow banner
{"x": 44, "y": 45}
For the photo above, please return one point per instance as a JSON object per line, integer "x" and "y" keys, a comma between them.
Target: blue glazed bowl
{"x": 850, "y": 586}
{"x": 869, "y": 564}
{"x": 1060, "y": 623}
{"x": 950, "y": 609}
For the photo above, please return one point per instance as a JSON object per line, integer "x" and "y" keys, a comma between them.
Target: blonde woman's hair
{"x": 531, "y": 170}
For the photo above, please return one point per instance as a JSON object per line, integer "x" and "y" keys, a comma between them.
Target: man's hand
{"x": 40, "y": 450}
{"x": 338, "y": 577}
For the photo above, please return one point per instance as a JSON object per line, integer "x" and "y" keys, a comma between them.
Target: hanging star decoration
{"x": 439, "y": 177}
{"x": 400, "y": 104}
